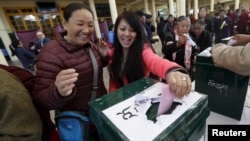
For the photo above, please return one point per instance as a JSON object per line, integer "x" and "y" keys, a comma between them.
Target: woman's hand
{"x": 180, "y": 83}
{"x": 103, "y": 48}
{"x": 65, "y": 81}
{"x": 182, "y": 39}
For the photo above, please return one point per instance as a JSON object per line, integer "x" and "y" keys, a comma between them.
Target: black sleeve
{"x": 152, "y": 28}
{"x": 209, "y": 25}
{"x": 168, "y": 50}
{"x": 209, "y": 40}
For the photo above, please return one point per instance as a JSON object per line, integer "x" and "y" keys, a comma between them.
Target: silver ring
{"x": 183, "y": 78}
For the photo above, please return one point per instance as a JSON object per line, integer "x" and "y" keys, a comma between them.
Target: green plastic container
{"x": 189, "y": 126}
{"x": 226, "y": 90}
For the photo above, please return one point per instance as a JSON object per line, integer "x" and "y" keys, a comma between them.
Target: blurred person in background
{"x": 41, "y": 40}
{"x": 179, "y": 46}
{"x": 244, "y": 19}
{"x": 222, "y": 27}
{"x": 25, "y": 56}
{"x": 201, "y": 36}
{"x": 202, "y": 15}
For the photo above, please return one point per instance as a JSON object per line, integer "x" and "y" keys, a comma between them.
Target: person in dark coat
{"x": 149, "y": 27}
{"x": 231, "y": 15}
{"x": 222, "y": 27}
{"x": 201, "y": 36}
{"x": 160, "y": 30}
{"x": 208, "y": 23}
{"x": 179, "y": 47}
{"x": 243, "y": 21}
{"x": 41, "y": 41}
{"x": 25, "y": 56}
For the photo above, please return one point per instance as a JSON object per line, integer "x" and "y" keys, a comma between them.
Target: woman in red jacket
{"x": 65, "y": 72}
{"x": 133, "y": 58}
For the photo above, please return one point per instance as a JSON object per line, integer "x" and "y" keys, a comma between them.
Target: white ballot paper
{"x": 133, "y": 122}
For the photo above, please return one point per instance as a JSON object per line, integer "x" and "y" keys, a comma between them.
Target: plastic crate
{"x": 226, "y": 90}
{"x": 189, "y": 126}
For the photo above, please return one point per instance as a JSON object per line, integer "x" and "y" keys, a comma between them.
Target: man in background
{"x": 149, "y": 27}
{"x": 42, "y": 40}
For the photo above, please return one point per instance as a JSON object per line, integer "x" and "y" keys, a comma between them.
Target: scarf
{"x": 188, "y": 50}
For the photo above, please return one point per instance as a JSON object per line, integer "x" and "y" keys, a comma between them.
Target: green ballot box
{"x": 116, "y": 118}
{"x": 226, "y": 90}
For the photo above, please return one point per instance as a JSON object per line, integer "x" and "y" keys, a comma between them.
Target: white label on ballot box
{"x": 136, "y": 126}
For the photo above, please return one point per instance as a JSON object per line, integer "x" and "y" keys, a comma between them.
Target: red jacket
{"x": 58, "y": 55}
{"x": 153, "y": 63}
{"x": 244, "y": 18}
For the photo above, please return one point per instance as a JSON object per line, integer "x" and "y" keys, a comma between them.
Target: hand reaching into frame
{"x": 240, "y": 39}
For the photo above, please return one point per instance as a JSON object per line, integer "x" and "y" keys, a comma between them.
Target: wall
{"x": 5, "y": 28}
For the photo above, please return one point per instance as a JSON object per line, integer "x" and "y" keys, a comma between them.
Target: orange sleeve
{"x": 155, "y": 64}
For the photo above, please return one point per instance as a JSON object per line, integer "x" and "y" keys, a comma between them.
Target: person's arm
{"x": 103, "y": 50}
{"x": 176, "y": 76}
{"x": 170, "y": 45}
{"x": 235, "y": 58}
{"x": 156, "y": 64}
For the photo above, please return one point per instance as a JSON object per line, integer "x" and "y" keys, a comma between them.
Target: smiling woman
{"x": 66, "y": 66}
{"x": 180, "y": 47}
{"x": 79, "y": 27}
{"x": 132, "y": 49}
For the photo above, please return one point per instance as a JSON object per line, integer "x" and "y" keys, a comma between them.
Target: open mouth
{"x": 126, "y": 41}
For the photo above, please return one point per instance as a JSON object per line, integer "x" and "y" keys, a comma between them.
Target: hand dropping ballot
{"x": 130, "y": 115}
{"x": 166, "y": 100}
{"x": 143, "y": 103}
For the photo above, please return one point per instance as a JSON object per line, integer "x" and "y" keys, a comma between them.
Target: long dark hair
{"x": 134, "y": 67}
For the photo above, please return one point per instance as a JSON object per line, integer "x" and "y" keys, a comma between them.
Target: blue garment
{"x": 150, "y": 29}
{"x": 41, "y": 43}
{"x": 26, "y": 57}
{"x": 220, "y": 30}
{"x": 168, "y": 28}
{"x": 111, "y": 36}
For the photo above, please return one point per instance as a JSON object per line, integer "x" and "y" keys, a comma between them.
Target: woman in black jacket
{"x": 201, "y": 36}
{"x": 179, "y": 46}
